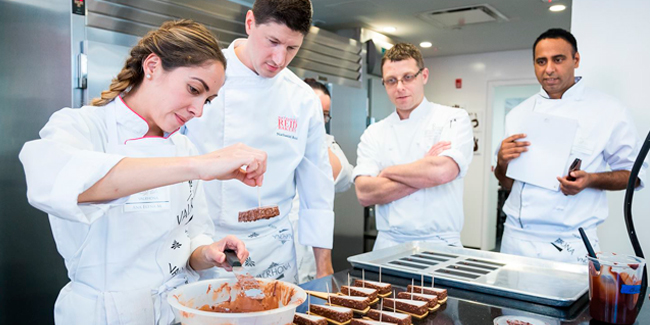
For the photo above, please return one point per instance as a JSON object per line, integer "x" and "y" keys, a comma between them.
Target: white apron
{"x": 269, "y": 242}
{"x": 136, "y": 253}
{"x": 560, "y": 247}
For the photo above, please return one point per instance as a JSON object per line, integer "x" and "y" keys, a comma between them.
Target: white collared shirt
{"x": 391, "y": 141}
{"x": 606, "y": 139}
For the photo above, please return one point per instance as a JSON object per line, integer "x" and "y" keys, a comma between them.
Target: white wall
{"x": 478, "y": 72}
{"x": 614, "y": 42}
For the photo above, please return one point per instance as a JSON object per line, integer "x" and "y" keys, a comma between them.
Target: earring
{"x": 148, "y": 76}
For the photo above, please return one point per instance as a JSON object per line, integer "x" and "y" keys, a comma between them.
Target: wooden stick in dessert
{"x": 431, "y": 280}
{"x": 394, "y": 303}
{"x": 329, "y": 299}
{"x": 421, "y": 280}
{"x": 308, "y": 304}
{"x": 363, "y": 277}
{"x": 381, "y": 308}
{"x": 380, "y": 274}
{"x": 411, "y": 289}
{"x": 348, "y": 282}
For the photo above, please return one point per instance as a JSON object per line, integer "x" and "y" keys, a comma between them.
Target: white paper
{"x": 551, "y": 138}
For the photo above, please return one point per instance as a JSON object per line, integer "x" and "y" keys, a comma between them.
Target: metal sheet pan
{"x": 528, "y": 279}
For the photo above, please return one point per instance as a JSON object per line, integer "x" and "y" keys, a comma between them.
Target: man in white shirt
{"x": 544, "y": 223}
{"x": 266, "y": 106}
{"x": 412, "y": 163}
{"x": 342, "y": 174}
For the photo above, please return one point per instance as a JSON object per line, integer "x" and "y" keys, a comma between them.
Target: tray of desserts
{"x": 528, "y": 279}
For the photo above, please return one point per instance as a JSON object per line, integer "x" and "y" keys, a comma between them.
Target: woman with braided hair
{"x": 121, "y": 186}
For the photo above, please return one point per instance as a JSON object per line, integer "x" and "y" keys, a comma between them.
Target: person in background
{"x": 412, "y": 163}
{"x": 341, "y": 168}
{"x": 342, "y": 173}
{"x": 119, "y": 184}
{"x": 267, "y": 106}
{"x": 544, "y": 223}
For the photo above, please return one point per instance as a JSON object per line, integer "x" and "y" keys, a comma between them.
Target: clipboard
{"x": 551, "y": 139}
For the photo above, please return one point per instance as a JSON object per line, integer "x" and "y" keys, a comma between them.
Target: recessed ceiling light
{"x": 425, "y": 44}
{"x": 389, "y": 29}
{"x": 557, "y": 8}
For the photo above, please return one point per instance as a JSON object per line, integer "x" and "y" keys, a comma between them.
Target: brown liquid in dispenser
{"x": 608, "y": 301}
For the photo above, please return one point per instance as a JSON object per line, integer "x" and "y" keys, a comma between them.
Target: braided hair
{"x": 180, "y": 43}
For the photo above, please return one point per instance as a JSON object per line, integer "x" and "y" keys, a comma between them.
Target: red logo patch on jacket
{"x": 287, "y": 124}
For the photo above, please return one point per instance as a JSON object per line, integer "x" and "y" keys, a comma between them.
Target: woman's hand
{"x": 207, "y": 256}
{"x": 238, "y": 161}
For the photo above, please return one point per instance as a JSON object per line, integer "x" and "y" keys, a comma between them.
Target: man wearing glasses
{"x": 411, "y": 164}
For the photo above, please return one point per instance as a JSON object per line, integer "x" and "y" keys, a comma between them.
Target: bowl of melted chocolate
{"x": 229, "y": 301}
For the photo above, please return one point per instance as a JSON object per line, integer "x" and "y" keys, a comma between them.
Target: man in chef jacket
{"x": 266, "y": 106}
{"x": 342, "y": 174}
{"x": 412, "y": 163}
{"x": 544, "y": 223}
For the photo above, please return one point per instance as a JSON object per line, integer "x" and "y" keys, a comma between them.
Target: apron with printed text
{"x": 256, "y": 124}
{"x": 143, "y": 245}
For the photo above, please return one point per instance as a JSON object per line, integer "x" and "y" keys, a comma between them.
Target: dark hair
{"x": 296, "y": 14}
{"x": 558, "y": 33}
{"x": 403, "y": 51}
{"x": 315, "y": 85}
{"x": 181, "y": 43}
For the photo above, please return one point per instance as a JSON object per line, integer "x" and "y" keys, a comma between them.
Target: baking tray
{"x": 528, "y": 279}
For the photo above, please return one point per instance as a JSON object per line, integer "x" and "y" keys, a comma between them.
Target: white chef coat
{"x": 305, "y": 254}
{"x": 282, "y": 116}
{"x": 433, "y": 214}
{"x": 544, "y": 223}
{"x": 122, "y": 256}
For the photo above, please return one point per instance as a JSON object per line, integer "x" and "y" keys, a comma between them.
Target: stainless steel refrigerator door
{"x": 104, "y": 63}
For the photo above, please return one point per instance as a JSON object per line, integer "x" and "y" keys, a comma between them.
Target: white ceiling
{"x": 526, "y": 20}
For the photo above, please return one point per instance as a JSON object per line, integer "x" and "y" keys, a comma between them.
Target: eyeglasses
{"x": 327, "y": 117}
{"x": 391, "y": 82}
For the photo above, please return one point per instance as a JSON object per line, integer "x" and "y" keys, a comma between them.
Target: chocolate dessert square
{"x": 441, "y": 293}
{"x": 339, "y": 314}
{"x": 431, "y": 299}
{"x": 354, "y": 302}
{"x": 358, "y": 291}
{"x": 397, "y": 318}
{"x": 259, "y": 213}
{"x": 414, "y": 307}
{"x": 304, "y": 319}
{"x": 382, "y": 287}
{"x": 357, "y": 321}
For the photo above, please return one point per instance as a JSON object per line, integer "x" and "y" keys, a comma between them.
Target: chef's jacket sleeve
{"x": 368, "y": 155}
{"x": 64, "y": 163}
{"x": 344, "y": 180}
{"x": 315, "y": 185}
{"x": 623, "y": 146}
{"x": 460, "y": 134}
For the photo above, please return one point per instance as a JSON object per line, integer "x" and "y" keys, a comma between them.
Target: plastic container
{"x": 614, "y": 286}
{"x": 186, "y": 301}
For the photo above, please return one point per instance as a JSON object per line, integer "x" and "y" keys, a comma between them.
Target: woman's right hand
{"x": 238, "y": 161}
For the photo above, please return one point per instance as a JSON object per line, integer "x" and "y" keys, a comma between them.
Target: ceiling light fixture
{"x": 425, "y": 44}
{"x": 556, "y": 8}
{"x": 389, "y": 29}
